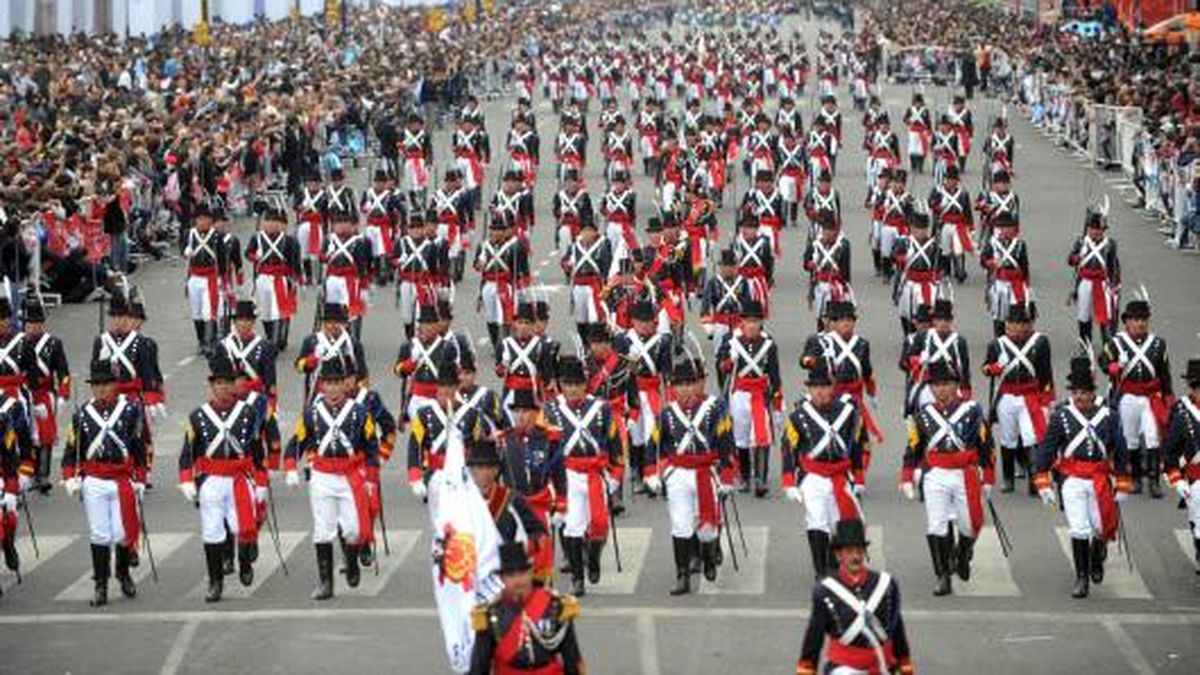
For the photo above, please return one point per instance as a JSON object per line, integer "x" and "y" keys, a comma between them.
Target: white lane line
{"x": 752, "y": 577}
{"x": 635, "y": 545}
{"x": 49, "y": 545}
{"x": 164, "y": 544}
{"x": 266, "y": 566}
{"x": 1119, "y": 582}
{"x": 1128, "y": 648}
{"x": 875, "y": 555}
{"x": 402, "y": 543}
{"x": 179, "y": 648}
{"x": 647, "y": 645}
{"x": 185, "y": 361}
{"x": 990, "y": 572}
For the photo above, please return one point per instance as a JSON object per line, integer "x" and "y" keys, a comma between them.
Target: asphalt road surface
{"x": 1014, "y": 616}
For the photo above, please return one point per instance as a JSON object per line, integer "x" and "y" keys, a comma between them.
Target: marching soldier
{"x": 648, "y": 353}
{"x": 275, "y": 255}
{"x": 920, "y": 259}
{"x": 49, "y": 386}
{"x": 755, "y": 260}
{"x": 857, "y": 612}
{"x": 590, "y": 447}
{"x": 208, "y": 262}
{"x": 1182, "y": 450}
{"x": 516, "y": 522}
{"x": 454, "y": 220}
{"x": 946, "y": 152}
{"x": 948, "y": 442}
{"x": 950, "y": 206}
{"x": 105, "y": 459}
{"x": 571, "y": 147}
{"x": 524, "y": 148}
{"x": 589, "y": 265}
{"x": 940, "y": 343}
{"x": 1020, "y": 362}
{"x": 823, "y": 199}
{"x": 920, "y": 126}
{"x": 765, "y": 203}
{"x": 751, "y": 358}
{"x": 691, "y": 456}
{"x": 422, "y": 262}
{"x": 335, "y": 437}
{"x": 310, "y": 222}
{"x": 1139, "y": 367}
{"x": 17, "y": 466}
{"x": 472, "y": 153}
{"x": 503, "y": 264}
{"x": 420, "y": 362}
{"x": 431, "y": 426}
{"x": 382, "y": 210}
{"x": 525, "y": 358}
{"x": 963, "y": 124}
{"x": 529, "y": 628}
{"x": 1006, "y": 259}
{"x": 1084, "y": 446}
{"x": 533, "y": 469}
{"x": 417, "y": 147}
{"x": 721, "y": 301}
{"x": 821, "y": 453}
{"x": 827, "y": 261}
{"x": 619, "y": 209}
{"x": 698, "y": 217}
{"x": 1097, "y": 277}
{"x": 998, "y": 201}
{"x": 897, "y": 204}
{"x": 572, "y": 208}
{"x": 916, "y": 392}
{"x": 134, "y": 359}
{"x": 348, "y": 263}
{"x": 330, "y": 341}
{"x": 513, "y": 202}
{"x": 220, "y": 458}
{"x": 484, "y": 401}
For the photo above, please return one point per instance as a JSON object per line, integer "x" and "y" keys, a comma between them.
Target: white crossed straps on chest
{"x": 831, "y": 432}
{"x": 1002, "y": 203}
{"x": 999, "y": 143}
{"x": 327, "y": 348}
{"x": 760, "y": 141}
{"x": 946, "y": 427}
{"x": 448, "y": 421}
{"x": 506, "y": 203}
{"x": 114, "y": 351}
{"x": 1014, "y": 356}
{"x": 1087, "y": 430}
{"x": 104, "y": 426}
{"x": 1006, "y": 254}
{"x": 791, "y": 157}
{"x": 522, "y": 357}
{"x": 38, "y": 346}
{"x": 830, "y": 118}
{"x": 763, "y": 205}
{"x": 1132, "y": 354}
{"x": 240, "y": 353}
{"x": 614, "y": 203}
{"x": 270, "y": 247}
{"x": 749, "y": 253}
{"x": 6, "y": 352}
{"x": 465, "y": 141}
{"x": 333, "y": 428}
{"x": 817, "y": 139}
{"x": 938, "y": 349}
{"x": 944, "y": 142}
{"x": 586, "y": 256}
{"x": 751, "y": 366}
{"x": 443, "y": 202}
{"x": 729, "y": 292}
{"x": 414, "y": 140}
{"x": 567, "y": 204}
{"x": 424, "y": 355}
{"x": 893, "y": 202}
{"x": 617, "y": 142}
{"x": 567, "y": 142}
{"x": 335, "y": 195}
{"x": 825, "y": 202}
{"x": 223, "y": 429}
{"x": 378, "y": 201}
{"x": 842, "y": 351}
{"x": 199, "y": 243}
{"x": 692, "y": 435}
{"x": 957, "y": 117}
{"x": 919, "y": 252}
{"x": 581, "y": 426}
{"x": 309, "y": 201}
{"x": 1093, "y": 252}
{"x": 519, "y": 141}
{"x": 825, "y": 257}
{"x": 642, "y": 349}
{"x": 950, "y": 203}
{"x": 339, "y": 247}
{"x": 495, "y": 257}
{"x": 415, "y": 253}
{"x": 865, "y": 621}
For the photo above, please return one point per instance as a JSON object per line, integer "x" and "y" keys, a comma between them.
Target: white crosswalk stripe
{"x": 164, "y": 544}
{"x": 635, "y": 544}
{"x": 991, "y": 575}
{"x": 752, "y": 577}
{"x": 1186, "y": 542}
{"x": 266, "y": 566}
{"x": 403, "y": 543}
{"x": 49, "y": 546}
{"x": 1119, "y": 581}
{"x": 876, "y": 558}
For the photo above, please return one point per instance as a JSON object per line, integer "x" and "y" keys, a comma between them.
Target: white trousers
{"x": 264, "y": 295}
{"x": 887, "y": 240}
{"x": 741, "y": 411}
{"x": 493, "y": 311}
{"x": 199, "y": 303}
{"x": 1013, "y": 423}
{"x": 578, "y": 515}
{"x": 946, "y": 502}
{"x": 1081, "y": 508}
{"x": 683, "y": 506}
{"x": 1137, "y": 422}
{"x": 408, "y": 302}
{"x": 332, "y": 508}
{"x": 217, "y": 508}
{"x": 820, "y": 503}
{"x": 1193, "y": 509}
{"x": 585, "y": 309}
{"x": 103, "y": 508}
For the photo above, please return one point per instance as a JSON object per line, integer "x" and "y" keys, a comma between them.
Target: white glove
{"x": 1182, "y": 489}
{"x": 1122, "y": 496}
{"x": 556, "y": 520}
{"x": 292, "y": 478}
{"x": 1048, "y": 496}
{"x": 40, "y": 411}
{"x": 158, "y": 411}
{"x": 793, "y": 493}
{"x": 189, "y": 490}
{"x": 910, "y": 493}
{"x": 418, "y": 489}
{"x": 725, "y": 489}
{"x": 140, "y": 490}
{"x": 653, "y": 483}
{"x": 612, "y": 484}
{"x": 987, "y": 490}
{"x": 24, "y": 483}
{"x": 60, "y": 402}
{"x": 72, "y": 485}
{"x": 260, "y": 495}
{"x": 859, "y": 489}
{"x": 9, "y": 502}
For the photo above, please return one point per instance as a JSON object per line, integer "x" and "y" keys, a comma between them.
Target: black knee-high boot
{"x": 818, "y": 546}
{"x": 694, "y": 554}
{"x": 1099, "y": 554}
{"x": 1085, "y": 331}
{"x": 1136, "y": 470}
{"x": 493, "y": 330}
{"x": 247, "y": 554}
{"x": 324, "y": 589}
{"x": 1154, "y": 472}
{"x": 997, "y": 328}
{"x": 227, "y": 551}
{"x": 945, "y": 554}
{"x": 100, "y": 573}
{"x": 573, "y": 548}
{"x": 352, "y": 570}
{"x": 683, "y": 555}
{"x": 761, "y": 468}
{"x": 1008, "y": 468}
{"x": 708, "y": 559}
{"x": 877, "y": 260}
{"x": 962, "y": 557}
{"x": 1081, "y": 553}
{"x": 201, "y": 334}
{"x": 213, "y": 561}
{"x": 744, "y": 467}
{"x": 128, "y": 588}
{"x": 594, "y": 548}
{"x": 1196, "y": 545}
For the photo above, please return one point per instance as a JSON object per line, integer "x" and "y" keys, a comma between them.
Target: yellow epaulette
{"x": 568, "y": 609}
{"x": 479, "y": 618}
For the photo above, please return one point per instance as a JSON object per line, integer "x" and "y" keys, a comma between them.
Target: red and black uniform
{"x": 534, "y": 470}
{"x": 534, "y": 636}
{"x": 858, "y": 617}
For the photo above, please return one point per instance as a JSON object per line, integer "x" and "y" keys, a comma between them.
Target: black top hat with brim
{"x": 483, "y": 452}
{"x": 101, "y": 372}
{"x": 245, "y": 310}
{"x": 1192, "y": 374}
{"x": 850, "y": 532}
{"x": 1018, "y": 314}
{"x": 220, "y": 367}
{"x": 34, "y": 311}
{"x": 818, "y": 375}
{"x": 514, "y": 558}
{"x": 842, "y": 309}
{"x": 686, "y": 371}
{"x": 333, "y": 369}
{"x": 942, "y": 371}
{"x": 643, "y": 310}
{"x": 1080, "y": 377}
{"x": 752, "y": 309}
{"x": 570, "y": 370}
{"x": 428, "y": 313}
{"x": 447, "y": 374}
{"x": 526, "y": 312}
{"x": 333, "y": 311}
{"x": 1136, "y": 309}
{"x": 943, "y": 309}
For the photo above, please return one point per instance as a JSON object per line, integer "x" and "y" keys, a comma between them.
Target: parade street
{"x": 1014, "y": 615}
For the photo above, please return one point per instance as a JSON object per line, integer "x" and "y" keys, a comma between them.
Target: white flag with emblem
{"x": 466, "y": 559}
